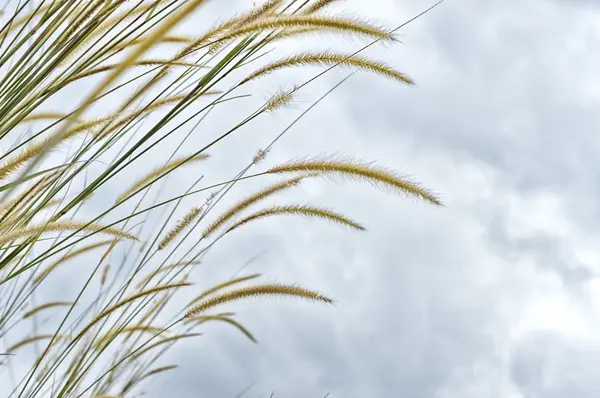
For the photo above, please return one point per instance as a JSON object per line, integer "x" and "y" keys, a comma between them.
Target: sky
{"x": 494, "y": 295}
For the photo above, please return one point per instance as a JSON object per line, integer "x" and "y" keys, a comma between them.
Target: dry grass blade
{"x": 221, "y": 318}
{"x": 239, "y": 21}
{"x": 66, "y": 257}
{"x": 44, "y": 116}
{"x": 100, "y": 343}
{"x": 109, "y": 24}
{"x": 349, "y": 168}
{"x": 42, "y": 307}
{"x": 150, "y": 40}
{"x": 158, "y": 370}
{"x": 144, "y": 111}
{"x": 149, "y": 62}
{"x": 30, "y": 340}
{"x": 162, "y": 342}
{"x": 130, "y": 299}
{"x": 82, "y": 19}
{"x": 62, "y": 226}
{"x": 165, "y": 268}
{"x": 300, "y": 210}
{"x": 158, "y": 304}
{"x": 36, "y": 148}
{"x": 10, "y": 208}
{"x": 136, "y": 380}
{"x": 200, "y": 319}
{"x": 120, "y": 323}
{"x": 104, "y": 275}
{"x": 166, "y": 39}
{"x": 185, "y": 160}
{"x": 255, "y": 291}
{"x": 18, "y": 22}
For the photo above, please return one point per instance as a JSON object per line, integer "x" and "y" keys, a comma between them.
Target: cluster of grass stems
{"x": 106, "y": 340}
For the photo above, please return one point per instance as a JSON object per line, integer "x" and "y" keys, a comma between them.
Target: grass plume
{"x": 52, "y": 304}
{"x": 328, "y": 58}
{"x": 256, "y": 291}
{"x": 181, "y": 225}
{"x": 349, "y": 168}
{"x": 307, "y": 211}
{"x": 251, "y": 200}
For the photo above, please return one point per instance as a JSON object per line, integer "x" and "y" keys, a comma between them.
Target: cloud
{"x": 549, "y": 365}
{"x": 434, "y": 302}
{"x": 496, "y": 294}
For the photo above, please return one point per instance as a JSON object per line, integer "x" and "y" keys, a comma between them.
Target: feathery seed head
{"x": 350, "y": 168}
{"x": 279, "y": 100}
{"x": 328, "y": 58}
{"x": 181, "y": 225}
{"x": 255, "y": 291}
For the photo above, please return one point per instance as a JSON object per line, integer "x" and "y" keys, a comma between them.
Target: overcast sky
{"x": 495, "y": 295}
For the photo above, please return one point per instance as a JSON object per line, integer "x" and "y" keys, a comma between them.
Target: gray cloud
{"x": 429, "y": 300}
{"x": 549, "y": 365}
{"x": 481, "y": 298}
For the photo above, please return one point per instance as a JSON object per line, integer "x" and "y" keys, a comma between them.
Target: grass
{"x": 125, "y": 317}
